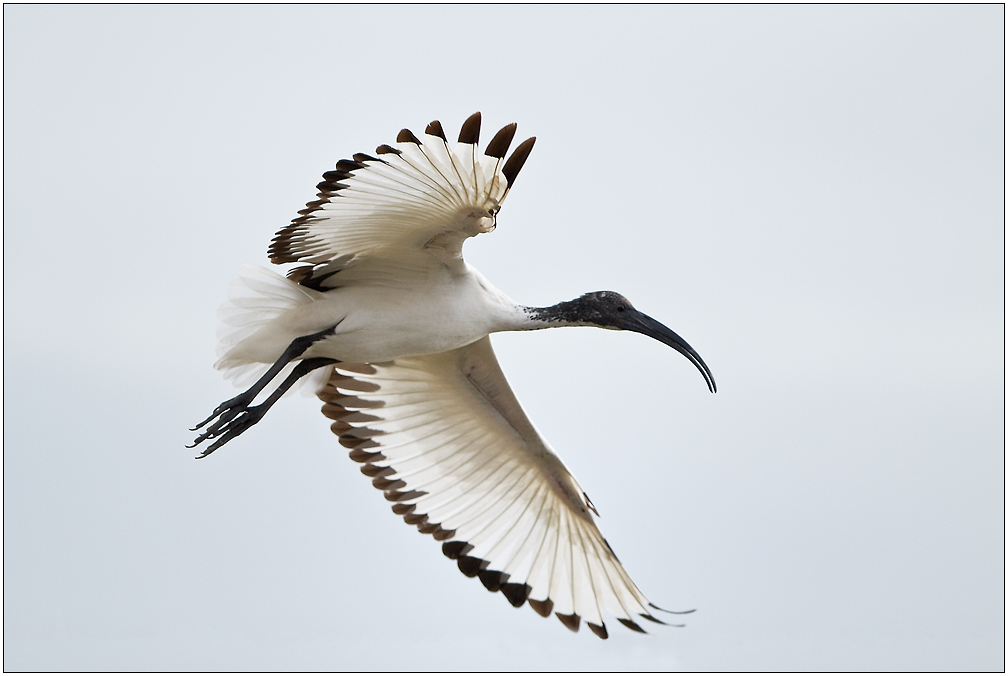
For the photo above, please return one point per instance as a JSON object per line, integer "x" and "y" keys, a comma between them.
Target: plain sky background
{"x": 812, "y": 196}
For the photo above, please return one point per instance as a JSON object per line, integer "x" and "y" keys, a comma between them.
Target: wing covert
{"x": 446, "y": 440}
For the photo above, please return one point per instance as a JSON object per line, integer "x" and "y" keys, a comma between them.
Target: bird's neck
{"x": 565, "y": 313}
{"x": 507, "y": 315}
{"x": 528, "y": 318}
{"x": 511, "y": 316}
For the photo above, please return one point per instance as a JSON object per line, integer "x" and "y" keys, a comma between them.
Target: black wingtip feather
{"x": 471, "y": 565}
{"x": 471, "y": 129}
{"x": 544, "y": 608}
{"x": 572, "y": 621}
{"x": 598, "y": 630}
{"x": 456, "y": 548}
{"x": 414, "y": 519}
{"x": 401, "y": 509}
{"x": 402, "y": 496}
{"x": 335, "y": 176}
{"x": 515, "y": 593}
{"x": 517, "y": 160}
{"x": 348, "y": 165}
{"x": 441, "y": 534}
{"x": 406, "y": 136}
{"x": 498, "y": 147}
{"x": 364, "y": 456}
{"x": 492, "y": 579}
{"x": 435, "y": 129}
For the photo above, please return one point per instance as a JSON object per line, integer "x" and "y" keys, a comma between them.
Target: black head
{"x": 610, "y": 310}
{"x": 604, "y": 309}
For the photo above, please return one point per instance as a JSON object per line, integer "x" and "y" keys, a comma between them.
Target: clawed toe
{"x": 227, "y": 410}
{"x": 233, "y": 418}
{"x": 231, "y": 429}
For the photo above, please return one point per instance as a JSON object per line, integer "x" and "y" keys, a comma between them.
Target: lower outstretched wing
{"x": 447, "y": 441}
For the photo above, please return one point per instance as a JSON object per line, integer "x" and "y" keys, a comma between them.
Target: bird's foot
{"x": 234, "y": 416}
{"x": 227, "y": 410}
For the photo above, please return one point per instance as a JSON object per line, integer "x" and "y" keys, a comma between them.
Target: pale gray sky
{"x": 811, "y": 196}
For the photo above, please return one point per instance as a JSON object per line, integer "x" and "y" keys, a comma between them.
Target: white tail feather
{"x": 255, "y": 298}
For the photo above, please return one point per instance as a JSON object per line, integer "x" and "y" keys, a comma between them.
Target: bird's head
{"x": 610, "y": 310}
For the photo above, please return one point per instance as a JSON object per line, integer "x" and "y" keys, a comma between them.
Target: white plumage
{"x": 390, "y": 326}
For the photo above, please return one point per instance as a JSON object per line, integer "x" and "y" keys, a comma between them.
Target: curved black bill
{"x": 632, "y": 320}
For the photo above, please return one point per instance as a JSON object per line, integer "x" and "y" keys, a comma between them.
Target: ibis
{"x": 383, "y": 318}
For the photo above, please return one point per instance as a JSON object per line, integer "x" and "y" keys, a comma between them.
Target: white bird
{"x": 391, "y": 326}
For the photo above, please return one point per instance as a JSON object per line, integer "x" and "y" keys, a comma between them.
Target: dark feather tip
{"x": 348, "y": 165}
{"x": 517, "y": 160}
{"x": 456, "y": 548}
{"x": 515, "y": 593}
{"x": 492, "y": 579}
{"x": 544, "y": 608}
{"x": 471, "y": 565}
{"x": 426, "y": 527}
{"x": 406, "y": 136}
{"x": 572, "y": 621}
{"x": 441, "y": 534}
{"x": 498, "y": 147}
{"x": 471, "y": 129}
{"x": 401, "y": 509}
{"x": 434, "y": 129}
{"x": 364, "y": 456}
{"x": 415, "y": 519}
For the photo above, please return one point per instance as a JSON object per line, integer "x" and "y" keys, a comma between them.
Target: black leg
{"x": 236, "y": 415}
{"x": 232, "y": 407}
{"x": 239, "y": 420}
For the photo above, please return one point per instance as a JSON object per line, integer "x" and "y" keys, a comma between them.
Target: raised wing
{"x": 447, "y": 441}
{"x": 411, "y": 196}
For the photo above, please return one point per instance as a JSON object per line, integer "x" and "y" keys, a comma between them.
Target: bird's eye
{"x": 620, "y": 308}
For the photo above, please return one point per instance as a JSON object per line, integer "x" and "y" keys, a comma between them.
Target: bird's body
{"x": 391, "y": 326}
{"x": 379, "y": 317}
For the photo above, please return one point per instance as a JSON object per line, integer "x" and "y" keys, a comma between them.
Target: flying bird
{"x": 390, "y": 326}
